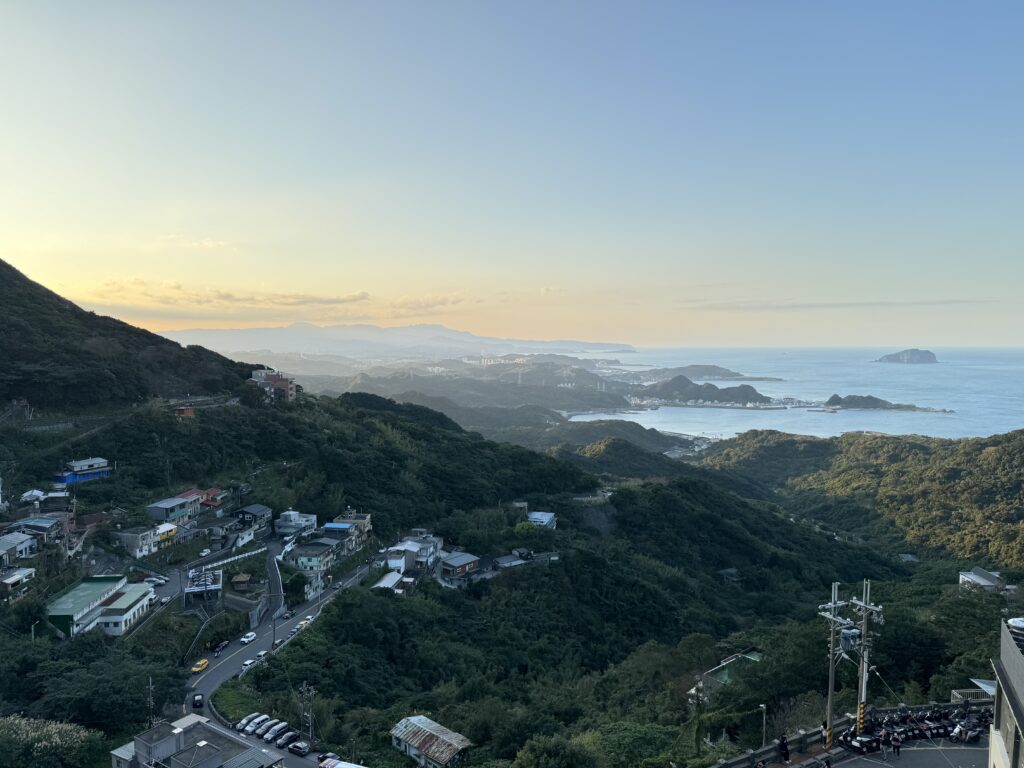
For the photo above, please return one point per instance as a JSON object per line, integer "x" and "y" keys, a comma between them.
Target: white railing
{"x": 967, "y": 694}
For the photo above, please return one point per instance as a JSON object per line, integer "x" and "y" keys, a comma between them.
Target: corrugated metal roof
{"x": 435, "y": 741}
{"x": 459, "y": 558}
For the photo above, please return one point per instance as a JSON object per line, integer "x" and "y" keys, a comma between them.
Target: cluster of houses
{"x": 274, "y": 385}
{"x": 315, "y": 550}
{"x": 422, "y": 553}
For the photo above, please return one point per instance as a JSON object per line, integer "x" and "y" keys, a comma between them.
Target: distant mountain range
{"x": 372, "y": 342}
{"x": 54, "y": 353}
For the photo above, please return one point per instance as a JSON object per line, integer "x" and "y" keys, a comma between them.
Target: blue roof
{"x": 337, "y": 525}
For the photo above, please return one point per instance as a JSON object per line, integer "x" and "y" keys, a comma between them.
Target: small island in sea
{"x": 909, "y": 357}
{"x": 870, "y": 402}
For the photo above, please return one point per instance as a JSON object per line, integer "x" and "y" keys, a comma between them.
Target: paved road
{"x": 229, "y": 663}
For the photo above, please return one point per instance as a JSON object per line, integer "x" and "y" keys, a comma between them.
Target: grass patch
{"x": 234, "y": 700}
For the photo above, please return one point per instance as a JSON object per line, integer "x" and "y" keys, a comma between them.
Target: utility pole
{"x": 764, "y": 723}
{"x": 867, "y": 611}
{"x": 829, "y": 611}
{"x": 307, "y": 692}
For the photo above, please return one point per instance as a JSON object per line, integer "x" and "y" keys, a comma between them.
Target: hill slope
{"x": 55, "y": 353}
{"x": 962, "y": 496}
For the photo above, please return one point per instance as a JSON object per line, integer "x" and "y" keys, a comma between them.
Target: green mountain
{"x": 963, "y": 497}
{"x": 56, "y": 354}
{"x": 682, "y": 389}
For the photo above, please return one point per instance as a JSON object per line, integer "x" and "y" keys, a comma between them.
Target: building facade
{"x": 1004, "y": 745}
{"x": 83, "y": 470}
{"x": 107, "y": 602}
{"x": 176, "y": 510}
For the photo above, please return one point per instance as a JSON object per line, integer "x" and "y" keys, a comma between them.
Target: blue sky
{"x": 663, "y": 173}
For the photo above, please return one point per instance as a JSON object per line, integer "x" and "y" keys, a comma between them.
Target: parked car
{"x": 299, "y": 748}
{"x": 261, "y": 731}
{"x": 164, "y": 600}
{"x": 156, "y": 581}
{"x": 256, "y": 723}
{"x": 326, "y": 756}
{"x": 287, "y": 615}
{"x": 278, "y": 642}
{"x": 248, "y": 663}
{"x": 201, "y": 665}
{"x": 272, "y": 734}
{"x": 197, "y": 701}
{"x": 284, "y": 741}
{"x": 292, "y": 631}
{"x": 247, "y": 638}
{"x": 309, "y": 618}
{"x": 241, "y": 724}
{"x": 205, "y": 553}
{"x": 262, "y": 655}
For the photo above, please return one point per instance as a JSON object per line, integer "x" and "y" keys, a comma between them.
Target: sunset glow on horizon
{"x": 687, "y": 174}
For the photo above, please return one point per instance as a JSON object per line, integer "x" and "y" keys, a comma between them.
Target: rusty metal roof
{"x": 435, "y": 741}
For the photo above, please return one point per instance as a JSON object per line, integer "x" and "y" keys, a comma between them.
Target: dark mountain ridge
{"x": 55, "y": 353}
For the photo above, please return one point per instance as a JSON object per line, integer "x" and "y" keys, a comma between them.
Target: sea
{"x": 983, "y": 387}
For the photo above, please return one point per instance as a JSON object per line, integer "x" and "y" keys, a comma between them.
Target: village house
{"x": 139, "y": 541}
{"x": 276, "y": 386}
{"x": 17, "y": 546}
{"x": 293, "y": 523}
{"x": 430, "y": 744}
{"x": 13, "y": 581}
{"x": 459, "y": 564}
{"x": 979, "y": 578}
{"x": 255, "y": 515}
{"x": 177, "y": 509}
{"x": 107, "y": 602}
{"x": 357, "y": 524}
{"x": 83, "y": 470}
{"x": 45, "y": 529}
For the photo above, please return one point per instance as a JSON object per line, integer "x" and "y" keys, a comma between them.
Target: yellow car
{"x": 303, "y": 623}
{"x": 200, "y": 665}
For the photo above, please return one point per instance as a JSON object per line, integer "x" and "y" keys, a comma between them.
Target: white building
{"x": 293, "y": 523}
{"x": 979, "y": 578}
{"x": 542, "y": 519}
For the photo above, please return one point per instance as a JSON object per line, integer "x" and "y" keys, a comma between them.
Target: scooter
{"x": 966, "y": 732}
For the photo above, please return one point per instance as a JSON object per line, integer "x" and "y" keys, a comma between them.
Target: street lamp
{"x": 764, "y": 723}
{"x": 34, "y": 630}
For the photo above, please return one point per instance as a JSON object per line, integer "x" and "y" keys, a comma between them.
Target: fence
{"x": 804, "y": 741}
{"x": 219, "y": 563}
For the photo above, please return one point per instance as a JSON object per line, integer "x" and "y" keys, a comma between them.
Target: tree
{"x": 553, "y": 752}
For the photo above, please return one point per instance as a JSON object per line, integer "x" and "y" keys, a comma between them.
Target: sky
{"x": 657, "y": 173}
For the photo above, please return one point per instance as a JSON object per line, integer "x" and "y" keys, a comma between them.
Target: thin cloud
{"x": 423, "y": 304}
{"x": 745, "y": 305}
{"x": 142, "y": 292}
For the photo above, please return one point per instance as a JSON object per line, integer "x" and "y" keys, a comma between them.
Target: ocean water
{"x": 983, "y": 386}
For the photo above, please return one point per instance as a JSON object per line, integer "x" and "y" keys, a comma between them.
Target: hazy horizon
{"x": 673, "y": 174}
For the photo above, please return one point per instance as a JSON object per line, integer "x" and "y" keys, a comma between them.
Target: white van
{"x": 254, "y": 724}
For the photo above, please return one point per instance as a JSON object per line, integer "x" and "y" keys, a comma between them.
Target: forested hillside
{"x": 964, "y": 497}
{"x": 56, "y": 354}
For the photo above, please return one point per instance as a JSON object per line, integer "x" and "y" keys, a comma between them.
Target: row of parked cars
{"x": 276, "y": 732}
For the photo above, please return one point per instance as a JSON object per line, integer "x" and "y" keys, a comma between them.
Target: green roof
{"x": 126, "y": 596}
{"x": 86, "y": 593}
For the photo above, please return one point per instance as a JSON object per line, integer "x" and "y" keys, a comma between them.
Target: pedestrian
{"x": 896, "y": 742}
{"x": 824, "y": 734}
{"x": 784, "y": 749}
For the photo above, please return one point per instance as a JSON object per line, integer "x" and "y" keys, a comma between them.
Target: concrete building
{"x": 274, "y": 385}
{"x": 979, "y": 578}
{"x": 542, "y": 519}
{"x": 315, "y": 555}
{"x": 176, "y": 510}
{"x": 138, "y": 541}
{"x": 430, "y": 744}
{"x": 293, "y": 523}
{"x": 191, "y": 742}
{"x": 459, "y": 564}
{"x": 13, "y": 581}
{"x": 45, "y": 529}
{"x": 256, "y": 515}
{"x": 165, "y": 534}
{"x": 358, "y": 524}
{"x": 17, "y": 546}
{"x": 83, "y": 470}
{"x": 107, "y": 602}
{"x": 1004, "y": 744}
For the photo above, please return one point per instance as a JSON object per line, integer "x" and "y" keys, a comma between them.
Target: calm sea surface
{"x": 985, "y": 388}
